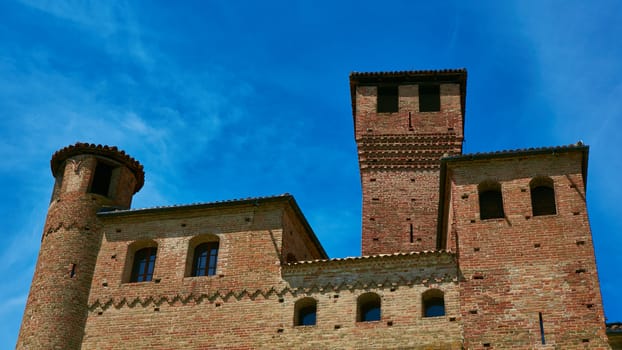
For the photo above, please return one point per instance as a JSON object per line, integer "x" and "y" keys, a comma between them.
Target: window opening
{"x": 72, "y": 272}
{"x": 205, "y": 259}
{"x": 542, "y": 197}
{"x": 144, "y": 263}
{"x": 387, "y": 101}
{"x": 433, "y": 303}
{"x": 429, "y": 98}
{"x": 101, "y": 179}
{"x": 306, "y": 312}
{"x": 369, "y": 307}
{"x": 434, "y": 307}
{"x": 491, "y": 203}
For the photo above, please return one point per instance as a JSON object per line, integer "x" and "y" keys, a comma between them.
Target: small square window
{"x": 387, "y": 99}
{"x": 429, "y": 98}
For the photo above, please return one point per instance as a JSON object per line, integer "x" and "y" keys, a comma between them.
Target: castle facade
{"x": 459, "y": 251}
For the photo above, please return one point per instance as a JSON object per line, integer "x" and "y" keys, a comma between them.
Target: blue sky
{"x": 226, "y": 99}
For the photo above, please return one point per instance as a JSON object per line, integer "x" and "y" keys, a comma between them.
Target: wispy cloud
{"x": 111, "y": 23}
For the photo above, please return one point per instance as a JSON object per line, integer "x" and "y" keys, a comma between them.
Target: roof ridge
{"x": 372, "y": 257}
{"x": 225, "y": 201}
{"x": 575, "y": 146}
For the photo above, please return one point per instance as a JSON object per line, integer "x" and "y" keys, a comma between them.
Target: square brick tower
{"x": 405, "y": 122}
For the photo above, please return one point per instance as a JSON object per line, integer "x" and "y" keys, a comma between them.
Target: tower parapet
{"x": 88, "y": 178}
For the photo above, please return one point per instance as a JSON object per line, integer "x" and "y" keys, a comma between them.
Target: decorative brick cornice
{"x": 102, "y": 304}
{"x": 422, "y": 151}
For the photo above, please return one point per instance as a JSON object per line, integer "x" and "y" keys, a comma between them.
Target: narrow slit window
{"x": 541, "y": 329}
{"x": 101, "y": 179}
{"x": 388, "y": 99}
{"x": 429, "y": 98}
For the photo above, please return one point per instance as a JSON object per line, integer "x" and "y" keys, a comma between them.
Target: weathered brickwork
{"x": 520, "y": 266}
{"x": 445, "y": 265}
{"x": 401, "y": 151}
{"x": 55, "y": 312}
{"x": 225, "y": 315}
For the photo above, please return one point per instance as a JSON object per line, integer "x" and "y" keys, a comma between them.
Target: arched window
{"x": 368, "y": 308}
{"x": 305, "y": 312}
{"x": 542, "y": 197}
{"x": 433, "y": 302}
{"x": 205, "y": 259}
{"x": 143, "y": 264}
{"x": 490, "y": 201}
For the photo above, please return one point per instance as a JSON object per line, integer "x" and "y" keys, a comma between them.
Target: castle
{"x": 459, "y": 251}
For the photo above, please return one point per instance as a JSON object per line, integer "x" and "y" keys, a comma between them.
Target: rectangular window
{"x": 429, "y": 98}
{"x": 101, "y": 179}
{"x": 387, "y": 99}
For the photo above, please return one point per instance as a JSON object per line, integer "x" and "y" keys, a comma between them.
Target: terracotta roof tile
{"x": 526, "y": 151}
{"x": 355, "y": 75}
{"x": 194, "y": 205}
{"x": 369, "y": 257}
{"x": 614, "y": 327}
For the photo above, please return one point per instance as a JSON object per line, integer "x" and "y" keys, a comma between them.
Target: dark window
{"x": 491, "y": 203}
{"x": 368, "y": 307}
{"x": 542, "y": 197}
{"x": 306, "y": 311}
{"x": 101, "y": 179}
{"x": 433, "y": 303}
{"x": 291, "y": 258}
{"x": 435, "y": 307}
{"x": 144, "y": 262}
{"x": 387, "y": 99}
{"x": 205, "y": 259}
{"x": 429, "y": 98}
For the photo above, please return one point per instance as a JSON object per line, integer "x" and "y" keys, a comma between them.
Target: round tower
{"x": 89, "y": 178}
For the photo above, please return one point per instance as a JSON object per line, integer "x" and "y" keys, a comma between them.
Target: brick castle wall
{"x": 55, "y": 312}
{"x": 518, "y": 267}
{"x": 399, "y": 156}
{"x": 242, "y": 309}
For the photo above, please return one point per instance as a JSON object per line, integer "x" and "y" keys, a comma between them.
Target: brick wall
{"x": 399, "y": 155}
{"x": 519, "y": 266}
{"x": 55, "y": 310}
{"x": 299, "y": 241}
{"x": 255, "y": 315}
